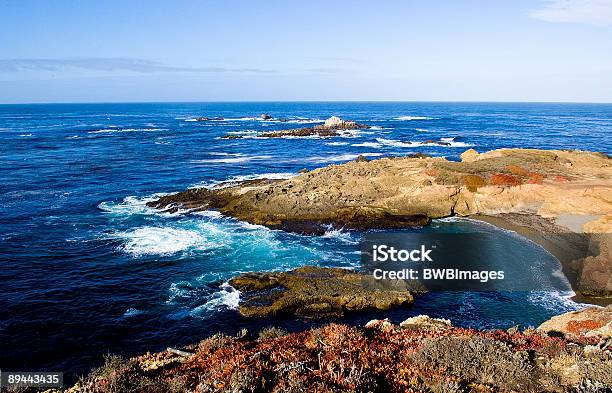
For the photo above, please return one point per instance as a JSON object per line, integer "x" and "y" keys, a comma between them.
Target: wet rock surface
{"x": 316, "y": 292}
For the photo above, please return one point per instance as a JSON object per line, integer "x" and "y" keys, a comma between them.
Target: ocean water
{"x": 87, "y": 269}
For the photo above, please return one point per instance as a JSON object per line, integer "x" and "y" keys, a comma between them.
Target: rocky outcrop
{"x": 332, "y": 127}
{"x": 315, "y": 292}
{"x": 590, "y": 322}
{"x": 265, "y": 116}
{"x": 408, "y": 191}
{"x": 426, "y": 322}
{"x": 571, "y": 189}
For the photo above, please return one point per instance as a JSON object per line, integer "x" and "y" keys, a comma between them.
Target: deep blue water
{"x": 87, "y": 269}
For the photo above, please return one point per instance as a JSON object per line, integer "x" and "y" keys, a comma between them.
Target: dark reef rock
{"x": 330, "y": 128}
{"x": 316, "y": 292}
{"x": 265, "y": 116}
{"x": 208, "y": 118}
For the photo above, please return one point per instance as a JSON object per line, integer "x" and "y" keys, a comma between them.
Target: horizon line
{"x": 297, "y": 101}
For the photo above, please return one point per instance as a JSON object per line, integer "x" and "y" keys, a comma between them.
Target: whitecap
{"x": 444, "y": 142}
{"x": 408, "y": 118}
{"x": 119, "y": 130}
{"x": 25, "y": 135}
{"x": 160, "y": 241}
{"x": 130, "y": 312}
{"x": 421, "y": 129}
{"x": 337, "y": 143}
{"x": 374, "y": 145}
{"x": 233, "y": 160}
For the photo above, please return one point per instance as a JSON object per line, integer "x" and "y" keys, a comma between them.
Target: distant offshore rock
{"x": 330, "y": 128}
{"x": 208, "y": 118}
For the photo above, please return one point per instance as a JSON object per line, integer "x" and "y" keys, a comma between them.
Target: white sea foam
{"x": 421, "y": 129}
{"x": 119, "y": 130}
{"x": 226, "y": 297}
{"x": 408, "y": 118}
{"x": 232, "y": 160}
{"x": 209, "y": 213}
{"x": 374, "y": 145}
{"x": 340, "y": 235}
{"x": 161, "y": 241}
{"x": 337, "y": 143}
{"x": 135, "y": 205}
{"x": 238, "y": 179}
{"x": 444, "y": 142}
{"x": 558, "y": 302}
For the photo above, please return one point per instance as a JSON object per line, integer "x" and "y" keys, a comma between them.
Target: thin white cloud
{"x": 110, "y": 64}
{"x": 593, "y": 12}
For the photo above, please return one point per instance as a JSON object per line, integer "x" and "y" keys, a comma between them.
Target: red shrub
{"x": 503, "y": 179}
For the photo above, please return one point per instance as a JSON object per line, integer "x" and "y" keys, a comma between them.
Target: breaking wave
{"x": 160, "y": 241}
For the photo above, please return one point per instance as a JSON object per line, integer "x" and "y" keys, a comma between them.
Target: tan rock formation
{"x": 572, "y": 189}
{"x": 590, "y": 322}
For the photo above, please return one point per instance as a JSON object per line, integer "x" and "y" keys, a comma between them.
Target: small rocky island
{"x": 332, "y": 127}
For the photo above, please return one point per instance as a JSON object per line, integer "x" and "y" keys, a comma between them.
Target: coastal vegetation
{"x": 421, "y": 354}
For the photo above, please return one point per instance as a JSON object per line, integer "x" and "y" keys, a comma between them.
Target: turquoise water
{"x": 88, "y": 269}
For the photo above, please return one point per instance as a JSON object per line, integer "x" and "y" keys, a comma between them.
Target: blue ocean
{"x": 88, "y": 269}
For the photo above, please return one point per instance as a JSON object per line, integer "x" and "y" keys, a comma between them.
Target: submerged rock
{"x": 316, "y": 292}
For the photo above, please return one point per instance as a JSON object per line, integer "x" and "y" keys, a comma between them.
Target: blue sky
{"x": 108, "y": 51}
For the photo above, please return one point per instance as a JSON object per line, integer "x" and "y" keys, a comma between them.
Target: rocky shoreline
{"x": 558, "y": 199}
{"x": 558, "y": 194}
